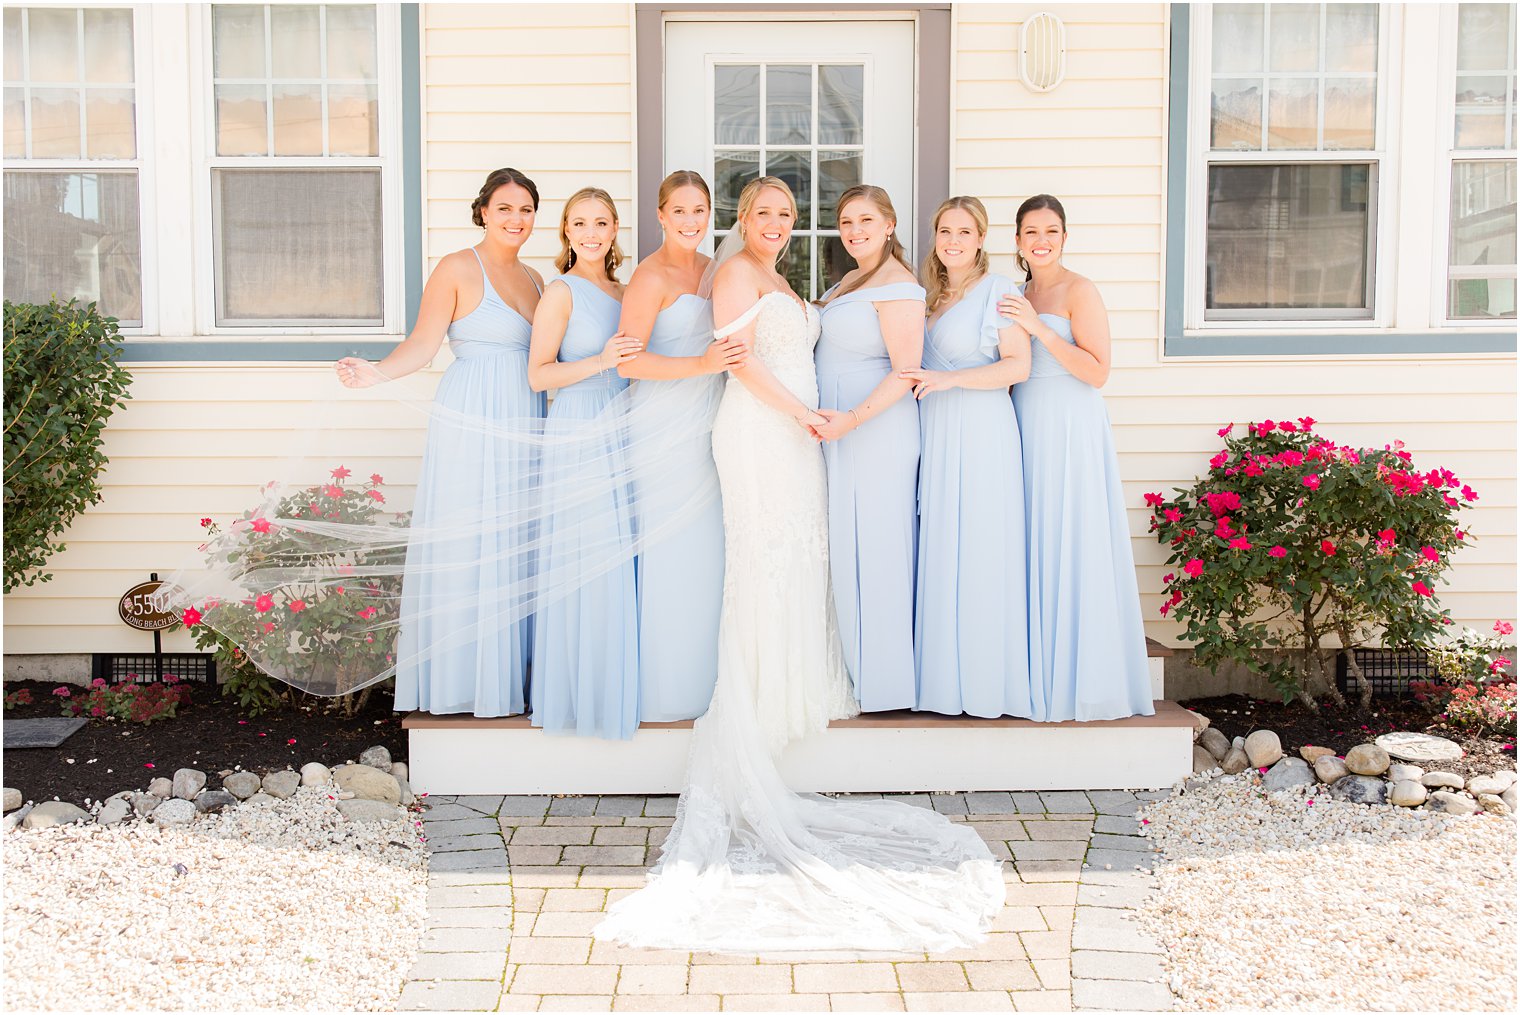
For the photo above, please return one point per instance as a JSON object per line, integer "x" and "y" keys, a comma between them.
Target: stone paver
{"x": 517, "y": 885}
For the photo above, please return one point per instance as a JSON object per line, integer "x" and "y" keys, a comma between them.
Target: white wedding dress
{"x": 750, "y": 865}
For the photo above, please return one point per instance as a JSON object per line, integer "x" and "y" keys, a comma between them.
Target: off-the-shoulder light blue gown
{"x": 452, "y": 657}
{"x": 585, "y": 644}
{"x": 873, "y": 501}
{"x": 970, "y": 632}
{"x": 680, "y": 566}
{"x": 1086, "y": 640}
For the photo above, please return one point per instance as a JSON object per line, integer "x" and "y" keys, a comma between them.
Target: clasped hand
{"x": 826, "y": 424}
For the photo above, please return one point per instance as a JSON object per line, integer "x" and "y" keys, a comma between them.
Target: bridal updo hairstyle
{"x": 678, "y": 179}
{"x": 935, "y": 275}
{"x": 893, "y": 248}
{"x": 1036, "y": 203}
{"x": 500, "y": 178}
{"x": 566, "y": 258}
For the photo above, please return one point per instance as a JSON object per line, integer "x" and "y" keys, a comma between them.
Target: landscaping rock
{"x": 145, "y": 803}
{"x": 1200, "y": 723}
{"x": 314, "y": 773}
{"x": 1418, "y": 747}
{"x": 1238, "y": 743}
{"x": 407, "y": 796}
{"x": 213, "y": 800}
{"x": 242, "y": 784}
{"x": 1360, "y": 789}
{"x": 369, "y": 810}
{"x": 114, "y": 812}
{"x": 1508, "y": 796}
{"x": 1407, "y": 793}
{"x": 372, "y": 784}
{"x": 1405, "y": 773}
{"x": 1506, "y": 777}
{"x": 1330, "y": 769}
{"x": 1203, "y": 760}
{"x": 1485, "y": 785}
{"x": 1367, "y": 759}
{"x": 1453, "y": 803}
{"x": 161, "y": 788}
{"x": 1235, "y": 762}
{"x": 1287, "y": 773}
{"x": 1442, "y": 780}
{"x": 55, "y": 812}
{"x": 259, "y": 799}
{"x": 188, "y": 782}
{"x": 174, "y": 812}
{"x": 1263, "y": 748}
{"x": 400, "y": 771}
{"x": 281, "y": 785}
{"x": 376, "y": 757}
{"x": 17, "y": 816}
{"x": 1494, "y": 804}
{"x": 12, "y": 799}
{"x": 1311, "y": 754}
{"x": 1215, "y": 742}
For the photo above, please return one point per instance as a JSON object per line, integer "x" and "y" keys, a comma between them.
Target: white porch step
{"x": 880, "y": 752}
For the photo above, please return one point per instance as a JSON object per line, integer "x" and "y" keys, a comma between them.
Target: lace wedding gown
{"x": 750, "y": 865}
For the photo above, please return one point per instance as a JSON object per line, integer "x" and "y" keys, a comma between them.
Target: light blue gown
{"x": 585, "y": 644}
{"x": 1086, "y": 640}
{"x": 450, "y": 659}
{"x": 970, "y": 634}
{"x": 680, "y": 575}
{"x": 873, "y": 501}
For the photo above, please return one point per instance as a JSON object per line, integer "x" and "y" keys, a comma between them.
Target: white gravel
{"x": 1269, "y": 902}
{"x": 283, "y": 905}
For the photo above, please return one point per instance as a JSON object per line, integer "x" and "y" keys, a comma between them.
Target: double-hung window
{"x": 73, "y": 159}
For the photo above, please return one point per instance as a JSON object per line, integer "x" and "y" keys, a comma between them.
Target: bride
{"x": 749, "y": 865}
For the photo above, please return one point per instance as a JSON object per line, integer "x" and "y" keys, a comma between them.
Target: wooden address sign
{"x": 138, "y": 610}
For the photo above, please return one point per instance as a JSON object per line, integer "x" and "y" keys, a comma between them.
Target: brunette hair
{"x": 566, "y": 258}
{"x": 935, "y": 275}
{"x": 500, "y": 178}
{"x": 893, "y": 249}
{"x": 1037, "y": 203}
{"x": 678, "y": 179}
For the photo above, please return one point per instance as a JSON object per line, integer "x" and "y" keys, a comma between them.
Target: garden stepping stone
{"x": 1418, "y": 747}
{"x": 23, "y": 733}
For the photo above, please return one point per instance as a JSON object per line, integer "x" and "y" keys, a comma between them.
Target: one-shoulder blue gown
{"x": 680, "y": 566}
{"x": 873, "y": 501}
{"x": 1086, "y": 640}
{"x": 585, "y": 643}
{"x": 971, "y": 634}
{"x": 455, "y": 653}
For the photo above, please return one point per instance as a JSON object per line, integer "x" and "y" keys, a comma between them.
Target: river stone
{"x": 1287, "y": 773}
{"x": 1405, "y": 773}
{"x": 17, "y": 816}
{"x": 1311, "y": 754}
{"x": 1200, "y": 723}
{"x": 55, "y": 812}
{"x": 371, "y": 783}
{"x": 400, "y": 771}
{"x": 1235, "y": 762}
{"x": 1506, "y": 777}
{"x": 1485, "y": 785}
{"x": 1263, "y": 748}
{"x": 1419, "y": 747}
{"x": 1238, "y": 743}
{"x": 161, "y": 787}
{"x": 188, "y": 782}
{"x": 407, "y": 796}
{"x": 1215, "y": 742}
{"x": 259, "y": 799}
{"x": 1508, "y": 796}
{"x": 1367, "y": 759}
{"x": 376, "y": 757}
{"x": 314, "y": 773}
{"x": 144, "y": 803}
{"x": 1203, "y": 760}
{"x": 1494, "y": 804}
{"x": 214, "y": 800}
{"x": 12, "y": 799}
{"x": 174, "y": 812}
{"x": 369, "y": 810}
{"x": 1453, "y": 803}
{"x": 1442, "y": 780}
{"x": 113, "y": 812}
{"x": 1407, "y": 793}
{"x": 1330, "y": 769}
{"x": 282, "y": 785}
{"x": 1359, "y": 789}
{"x": 242, "y": 784}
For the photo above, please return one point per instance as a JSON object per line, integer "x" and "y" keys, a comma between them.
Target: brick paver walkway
{"x": 517, "y": 883}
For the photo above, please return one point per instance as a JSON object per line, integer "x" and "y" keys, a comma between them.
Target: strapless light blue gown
{"x": 873, "y": 501}
{"x": 1086, "y": 640}
{"x": 680, "y": 573}
{"x": 451, "y": 658}
{"x": 585, "y": 644}
{"x": 970, "y": 631}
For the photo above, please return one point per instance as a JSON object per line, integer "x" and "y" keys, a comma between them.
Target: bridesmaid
{"x": 1086, "y": 640}
{"x": 969, "y": 636}
{"x": 873, "y": 330}
{"x": 454, "y": 652}
{"x": 680, "y": 565}
{"x": 585, "y": 648}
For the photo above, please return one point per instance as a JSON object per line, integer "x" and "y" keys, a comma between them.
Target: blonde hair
{"x": 893, "y": 249}
{"x": 935, "y": 276}
{"x": 751, "y": 192}
{"x": 566, "y": 259}
{"x": 678, "y": 179}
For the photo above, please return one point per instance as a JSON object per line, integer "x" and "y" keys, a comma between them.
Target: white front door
{"x": 823, "y": 105}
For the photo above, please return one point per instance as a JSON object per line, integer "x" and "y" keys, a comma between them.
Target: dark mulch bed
{"x": 210, "y": 734}
{"x": 1341, "y": 729}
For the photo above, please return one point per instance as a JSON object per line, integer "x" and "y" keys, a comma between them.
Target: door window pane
{"x": 837, "y": 173}
{"x": 736, "y": 104}
{"x": 74, "y": 235}
{"x": 841, "y": 103}
{"x": 299, "y": 245}
{"x": 1482, "y": 242}
{"x": 731, "y": 171}
{"x": 1289, "y": 238}
{"x": 789, "y": 105}
{"x": 796, "y": 169}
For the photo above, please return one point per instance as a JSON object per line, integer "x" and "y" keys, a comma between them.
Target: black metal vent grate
{"x": 144, "y": 668}
{"x": 1389, "y": 671}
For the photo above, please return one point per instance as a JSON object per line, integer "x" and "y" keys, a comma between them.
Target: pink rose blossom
{"x": 1193, "y": 567}
{"x": 264, "y": 603}
{"x": 1312, "y": 481}
{"x": 1503, "y": 627}
{"x": 1422, "y": 589}
{"x": 1277, "y": 552}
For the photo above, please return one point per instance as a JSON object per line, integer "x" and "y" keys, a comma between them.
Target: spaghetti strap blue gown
{"x": 970, "y": 631}
{"x": 585, "y": 643}
{"x": 680, "y": 569}
{"x": 450, "y": 660}
{"x": 1086, "y": 640}
{"x": 873, "y": 501}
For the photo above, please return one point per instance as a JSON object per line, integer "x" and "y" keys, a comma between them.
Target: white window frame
{"x": 1383, "y": 210}
{"x": 389, "y": 161}
{"x": 143, "y": 164}
{"x": 1446, "y": 153}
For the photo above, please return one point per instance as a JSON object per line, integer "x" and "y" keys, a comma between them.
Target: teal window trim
{"x": 244, "y": 350}
{"x": 1178, "y": 343}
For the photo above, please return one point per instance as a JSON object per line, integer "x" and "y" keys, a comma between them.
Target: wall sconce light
{"x": 1042, "y": 52}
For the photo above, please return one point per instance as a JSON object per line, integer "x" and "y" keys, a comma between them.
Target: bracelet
{"x": 855, "y": 416}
